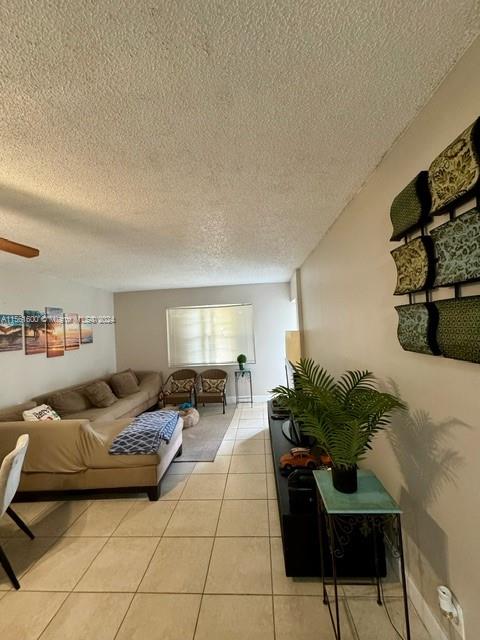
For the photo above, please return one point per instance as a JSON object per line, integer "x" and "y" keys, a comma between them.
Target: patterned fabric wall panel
{"x": 457, "y": 249}
{"x": 455, "y": 172}
{"x": 415, "y": 264}
{"x": 411, "y": 208}
{"x": 417, "y": 326}
{"x": 458, "y": 333}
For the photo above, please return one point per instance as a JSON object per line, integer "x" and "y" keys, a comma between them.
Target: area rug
{"x": 201, "y": 442}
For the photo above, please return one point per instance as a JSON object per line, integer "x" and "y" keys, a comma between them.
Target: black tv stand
{"x": 301, "y": 547}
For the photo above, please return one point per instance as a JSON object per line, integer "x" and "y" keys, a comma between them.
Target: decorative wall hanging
{"x": 411, "y": 208}
{"x": 457, "y": 249}
{"x": 72, "y": 331}
{"x": 455, "y": 173}
{"x": 417, "y": 325}
{"x": 86, "y": 332}
{"x": 11, "y": 332}
{"x": 55, "y": 332}
{"x": 415, "y": 265}
{"x": 35, "y": 332}
{"x": 458, "y": 333}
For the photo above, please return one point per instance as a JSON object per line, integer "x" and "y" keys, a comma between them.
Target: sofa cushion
{"x": 100, "y": 394}
{"x": 124, "y": 384}
{"x": 15, "y": 413}
{"x": 213, "y": 385}
{"x": 66, "y": 402}
{"x": 130, "y": 406}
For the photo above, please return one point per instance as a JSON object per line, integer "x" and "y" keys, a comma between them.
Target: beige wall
{"x": 26, "y": 376}
{"x": 431, "y": 461}
{"x": 142, "y": 333}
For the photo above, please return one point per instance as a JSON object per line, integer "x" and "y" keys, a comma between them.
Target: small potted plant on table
{"x": 241, "y": 359}
{"x": 343, "y": 416}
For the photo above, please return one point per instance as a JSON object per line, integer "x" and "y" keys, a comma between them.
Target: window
{"x": 210, "y": 334}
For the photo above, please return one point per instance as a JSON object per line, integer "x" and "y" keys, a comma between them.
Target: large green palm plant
{"x": 343, "y": 416}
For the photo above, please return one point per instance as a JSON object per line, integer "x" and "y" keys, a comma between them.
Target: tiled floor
{"x": 203, "y": 563}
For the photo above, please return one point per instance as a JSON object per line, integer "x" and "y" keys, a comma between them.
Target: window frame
{"x": 210, "y": 306}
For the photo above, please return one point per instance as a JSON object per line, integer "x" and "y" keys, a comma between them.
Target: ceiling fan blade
{"x": 18, "y": 249}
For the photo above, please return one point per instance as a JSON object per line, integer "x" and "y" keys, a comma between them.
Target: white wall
{"x": 431, "y": 460}
{"x": 142, "y": 333}
{"x": 25, "y": 376}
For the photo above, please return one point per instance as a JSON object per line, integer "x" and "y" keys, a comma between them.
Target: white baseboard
{"x": 425, "y": 613}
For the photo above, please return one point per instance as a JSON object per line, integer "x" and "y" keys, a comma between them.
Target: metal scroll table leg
{"x": 404, "y": 581}
{"x": 334, "y": 575}
{"x": 375, "y": 556}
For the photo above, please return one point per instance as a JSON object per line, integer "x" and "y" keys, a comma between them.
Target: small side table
{"x": 372, "y": 508}
{"x": 243, "y": 373}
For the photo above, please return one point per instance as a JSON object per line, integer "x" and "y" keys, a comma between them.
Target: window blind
{"x": 210, "y": 335}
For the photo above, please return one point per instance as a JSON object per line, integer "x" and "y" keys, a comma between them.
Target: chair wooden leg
{"x": 19, "y": 522}
{"x": 8, "y": 569}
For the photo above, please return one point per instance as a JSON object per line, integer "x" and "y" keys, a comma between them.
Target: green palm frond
{"x": 342, "y": 416}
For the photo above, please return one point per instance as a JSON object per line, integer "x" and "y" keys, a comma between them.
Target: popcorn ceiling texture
{"x": 168, "y": 144}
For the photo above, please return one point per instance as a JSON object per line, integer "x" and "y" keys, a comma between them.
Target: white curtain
{"x": 210, "y": 335}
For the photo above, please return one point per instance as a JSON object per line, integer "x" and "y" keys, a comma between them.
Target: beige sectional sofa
{"x": 71, "y": 454}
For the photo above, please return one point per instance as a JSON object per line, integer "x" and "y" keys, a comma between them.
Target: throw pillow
{"x": 41, "y": 413}
{"x": 181, "y": 386}
{"x": 211, "y": 385}
{"x": 100, "y": 394}
{"x": 124, "y": 384}
{"x": 66, "y": 402}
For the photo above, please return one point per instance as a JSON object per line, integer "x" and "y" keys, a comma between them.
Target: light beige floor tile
{"x": 251, "y": 423}
{"x": 268, "y": 447}
{"x": 172, "y": 486}
{"x": 204, "y": 487}
{"x": 251, "y": 413}
{"x": 372, "y": 622}
{"x": 290, "y": 586}
{"x": 246, "y": 486}
{"x": 269, "y": 463}
{"x": 179, "y": 565}
{"x": 249, "y": 447}
{"x": 63, "y": 565}
{"x": 181, "y": 468}
{"x": 161, "y": 617}
{"x": 243, "y": 518}
{"x": 22, "y": 554}
{"x": 239, "y": 565}
{"x": 307, "y": 618}
{"x": 230, "y": 434}
{"x": 250, "y": 434}
{"x": 220, "y": 465}
{"x": 146, "y": 519}
{"x": 274, "y": 518}
{"x": 235, "y": 618}
{"x": 226, "y": 448}
{"x": 89, "y": 615}
{"x": 100, "y": 519}
{"x": 29, "y": 512}
{"x": 271, "y": 487}
{"x": 57, "y": 521}
{"x": 248, "y": 464}
{"x": 194, "y": 518}
{"x": 23, "y": 615}
{"x": 119, "y": 566}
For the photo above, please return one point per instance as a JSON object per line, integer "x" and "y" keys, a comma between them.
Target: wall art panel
{"x": 417, "y": 325}
{"x": 415, "y": 265}
{"x": 458, "y": 333}
{"x": 411, "y": 208}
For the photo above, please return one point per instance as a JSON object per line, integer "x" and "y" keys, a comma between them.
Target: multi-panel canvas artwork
{"x": 86, "y": 332}
{"x": 35, "y": 332}
{"x": 55, "y": 332}
{"x": 72, "y": 332}
{"x": 11, "y": 332}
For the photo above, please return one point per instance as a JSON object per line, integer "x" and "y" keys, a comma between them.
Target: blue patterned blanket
{"x": 143, "y": 435}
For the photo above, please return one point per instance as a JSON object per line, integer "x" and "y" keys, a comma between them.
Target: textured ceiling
{"x": 200, "y": 142}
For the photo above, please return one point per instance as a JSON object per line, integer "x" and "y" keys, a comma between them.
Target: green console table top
{"x": 370, "y": 499}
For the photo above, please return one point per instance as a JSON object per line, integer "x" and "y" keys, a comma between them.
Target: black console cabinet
{"x": 301, "y": 548}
